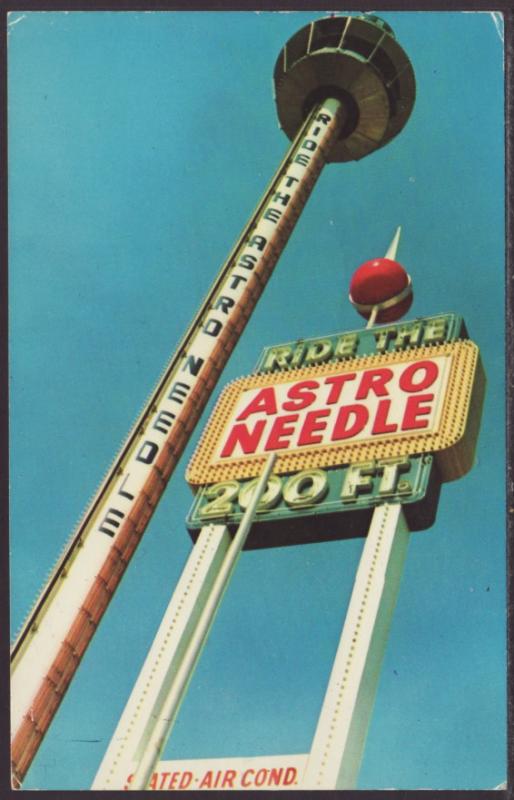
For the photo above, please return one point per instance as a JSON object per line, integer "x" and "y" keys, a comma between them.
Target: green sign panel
{"x": 322, "y": 504}
{"x": 380, "y": 339}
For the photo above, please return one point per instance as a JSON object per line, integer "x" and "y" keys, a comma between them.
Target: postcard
{"x": 257, "y": 390}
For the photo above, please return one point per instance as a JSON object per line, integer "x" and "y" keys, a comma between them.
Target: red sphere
{"x": 378, "y": 281}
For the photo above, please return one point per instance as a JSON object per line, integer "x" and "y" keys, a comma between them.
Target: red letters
{"x": 165, "y": 775}
{"x": 264, "y": 401}
{"x": 290, "y": 776}
{"x": 299, "y": 397}
{"x": 337, "y": 382}
{"x": 430, "y": 369}
{"x": 374, "y": 379}
{"x": 206, "y": 782}
{"x": 281, "y": 427}
{"x": 311, "y": 424}
{"x": 249, "y": 440}
{"x": 381, "y": 425}
{"x": 260, "y": 777}
{"x": 414, "y": 409}
{"x": 365, "y": 403}
{"x": 186, "y": 779}
{"x": 246, "y": 780}
{"x": 265, "y": 776}
{"x": 342, "y": 428}
{"x": 228, "y": 778}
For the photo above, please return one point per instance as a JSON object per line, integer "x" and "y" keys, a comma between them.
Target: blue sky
{"x": 139, "y": 144}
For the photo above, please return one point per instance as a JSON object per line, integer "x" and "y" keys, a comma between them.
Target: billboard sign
{"x": 356, "y": 419}
{"x": 421, "y": 332}
{"x": 276, "y": 772}
{"x": 322, "y": 504}
{"x": 418, "y": 400}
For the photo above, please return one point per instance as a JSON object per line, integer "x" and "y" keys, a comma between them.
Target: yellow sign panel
{"x": 420, "y": 400}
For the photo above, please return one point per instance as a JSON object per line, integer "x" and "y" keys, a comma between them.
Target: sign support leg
{"x": 164, "y": 656}
{"x": 339, "y": 739}
{"x": 171, "y": 664}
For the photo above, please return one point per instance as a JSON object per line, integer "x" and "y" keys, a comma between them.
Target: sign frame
{"x": 453, "y": 442}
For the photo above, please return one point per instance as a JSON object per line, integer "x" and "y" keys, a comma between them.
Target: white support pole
{"x": 169, "y": 703}
{"x": 372, "y": 317}
{"x": 339, "y": 739}
{"x": 136, "y": 749}
{"x": 164, "y": 657}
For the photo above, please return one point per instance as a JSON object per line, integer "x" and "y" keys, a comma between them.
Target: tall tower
{"x": 344, "y": 88}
